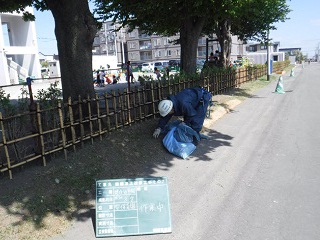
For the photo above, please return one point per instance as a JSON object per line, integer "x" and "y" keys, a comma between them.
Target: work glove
{"x": 156, "y": 132}
{"x": 202, "y": 136}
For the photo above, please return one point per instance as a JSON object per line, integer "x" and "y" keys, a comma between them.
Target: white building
{"x": 257, "y": 53}
{"x": 18, "y": 49}
{"x": 53, "y": 66}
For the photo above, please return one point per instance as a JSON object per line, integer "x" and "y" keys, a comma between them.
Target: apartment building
{"x": 138, "y": 47}
{"x": 143, "y": 48}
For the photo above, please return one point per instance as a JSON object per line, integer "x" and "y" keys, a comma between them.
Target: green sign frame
{"x": 132, "y": 207}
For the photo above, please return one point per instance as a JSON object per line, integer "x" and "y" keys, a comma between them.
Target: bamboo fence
{"x": 35, "y": 137}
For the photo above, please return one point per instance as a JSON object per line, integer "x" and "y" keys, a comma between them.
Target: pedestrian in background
{"x": 129, "y": 72}
{"x": 211, "y": 57}
{"x": 157, "y": 72}
{"x": 98, "y": 82}
{"x": 168, "y": 71}
{"x": 102, "y": 78}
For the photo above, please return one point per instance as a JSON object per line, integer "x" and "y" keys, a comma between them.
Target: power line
{"x": 48, "y": 39}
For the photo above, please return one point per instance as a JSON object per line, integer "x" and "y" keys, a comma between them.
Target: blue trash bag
{"x": 184, "y": 133}
{"x": 171, "y": 125}
{"x": 178, "y": 140}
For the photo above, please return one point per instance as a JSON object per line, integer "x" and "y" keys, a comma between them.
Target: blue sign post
{"x": 132, "y": 207}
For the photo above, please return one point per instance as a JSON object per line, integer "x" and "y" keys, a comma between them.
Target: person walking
{"x": 191, "y": 103}
{"x": 102, "y": 78}
{"x": 129, "y": 72}
{"x": 211, "y": 57}
{"x": 98, "y": 82}
{"x": 157, "y": 72}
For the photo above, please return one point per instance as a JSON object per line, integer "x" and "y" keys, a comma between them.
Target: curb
{"x": 219, "y": 111}
{"x": 223, "y": 108}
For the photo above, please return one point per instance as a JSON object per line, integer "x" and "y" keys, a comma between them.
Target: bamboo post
{"x": 223, "y": 82}
{"x": 73, "y": 132}
{"x": 62, "y": 130}
{"x": 32, "y": 106}
{"x": 6, "y": 151}
{"x": 226, "y": 78}
{"x": 124, "y": 106}
{"x": 98, "y": 116}
{"x": 213, "y": 83}
{"x": 121, "y": 108}
{"x": 139, "y": 104}
{"x": 160, "y": 91}
{"x": 134, "y": 105}
{"x": 106, "y": 101}
{"x": 218, "y": 83}
{"x": 204, "y": 83}
{"x": 90, "y": 118}
{"x": 144, "y": 99}
{"x": 129, "y": 105}
{"x": 114, "y": 103}
{"x": 40, "y": 132}
{"x": 170, "y": 87}
{"x": 81, "y": 120}
{"x": 153, "y": 109}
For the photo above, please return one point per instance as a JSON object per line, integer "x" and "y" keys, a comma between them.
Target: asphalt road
{"x": 258, "y": 175}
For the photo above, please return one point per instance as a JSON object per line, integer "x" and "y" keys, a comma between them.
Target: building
{"x": 105, "y": 49}
{"x": 18, "y": 49}
{"x": 51, "y": 68}
{"x": 290, "y": 51}
{"x": 257, "y": 52}
{"x": 138, "y": 47}
{"x": 145, "y": 48}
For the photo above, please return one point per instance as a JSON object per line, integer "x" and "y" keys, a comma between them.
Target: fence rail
{"x": 41, "y": 134}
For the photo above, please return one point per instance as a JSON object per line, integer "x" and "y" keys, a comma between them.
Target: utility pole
{"x": 318, "y": 52}
{"x": 269, "y": 66}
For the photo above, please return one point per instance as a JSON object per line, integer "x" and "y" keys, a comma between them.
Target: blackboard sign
{"x": 132, "y": 207}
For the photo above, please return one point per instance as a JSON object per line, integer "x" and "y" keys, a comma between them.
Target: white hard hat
{"x": 165, "y": 106}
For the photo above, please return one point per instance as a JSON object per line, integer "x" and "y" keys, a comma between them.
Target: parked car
{"x": 174, "y": 65}
{"x": 136, "y": 66}
{"x": 147, "y": 67}
{"x": 160, "y": 65}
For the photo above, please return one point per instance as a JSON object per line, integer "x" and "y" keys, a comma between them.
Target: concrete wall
{"x": 99, "y": 61}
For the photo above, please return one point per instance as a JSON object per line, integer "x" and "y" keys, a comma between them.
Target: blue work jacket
{"x": 192, "y": 104}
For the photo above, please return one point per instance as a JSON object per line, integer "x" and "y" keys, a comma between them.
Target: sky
{"x": 300, "y": 31}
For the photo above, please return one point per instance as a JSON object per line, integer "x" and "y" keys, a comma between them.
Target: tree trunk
{"x": 224, "y": 38}
{"x": 75, "y": 29}
{"x": 189, "y": 35}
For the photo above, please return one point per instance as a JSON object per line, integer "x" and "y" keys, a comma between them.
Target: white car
{"x": 147, "y": 67}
